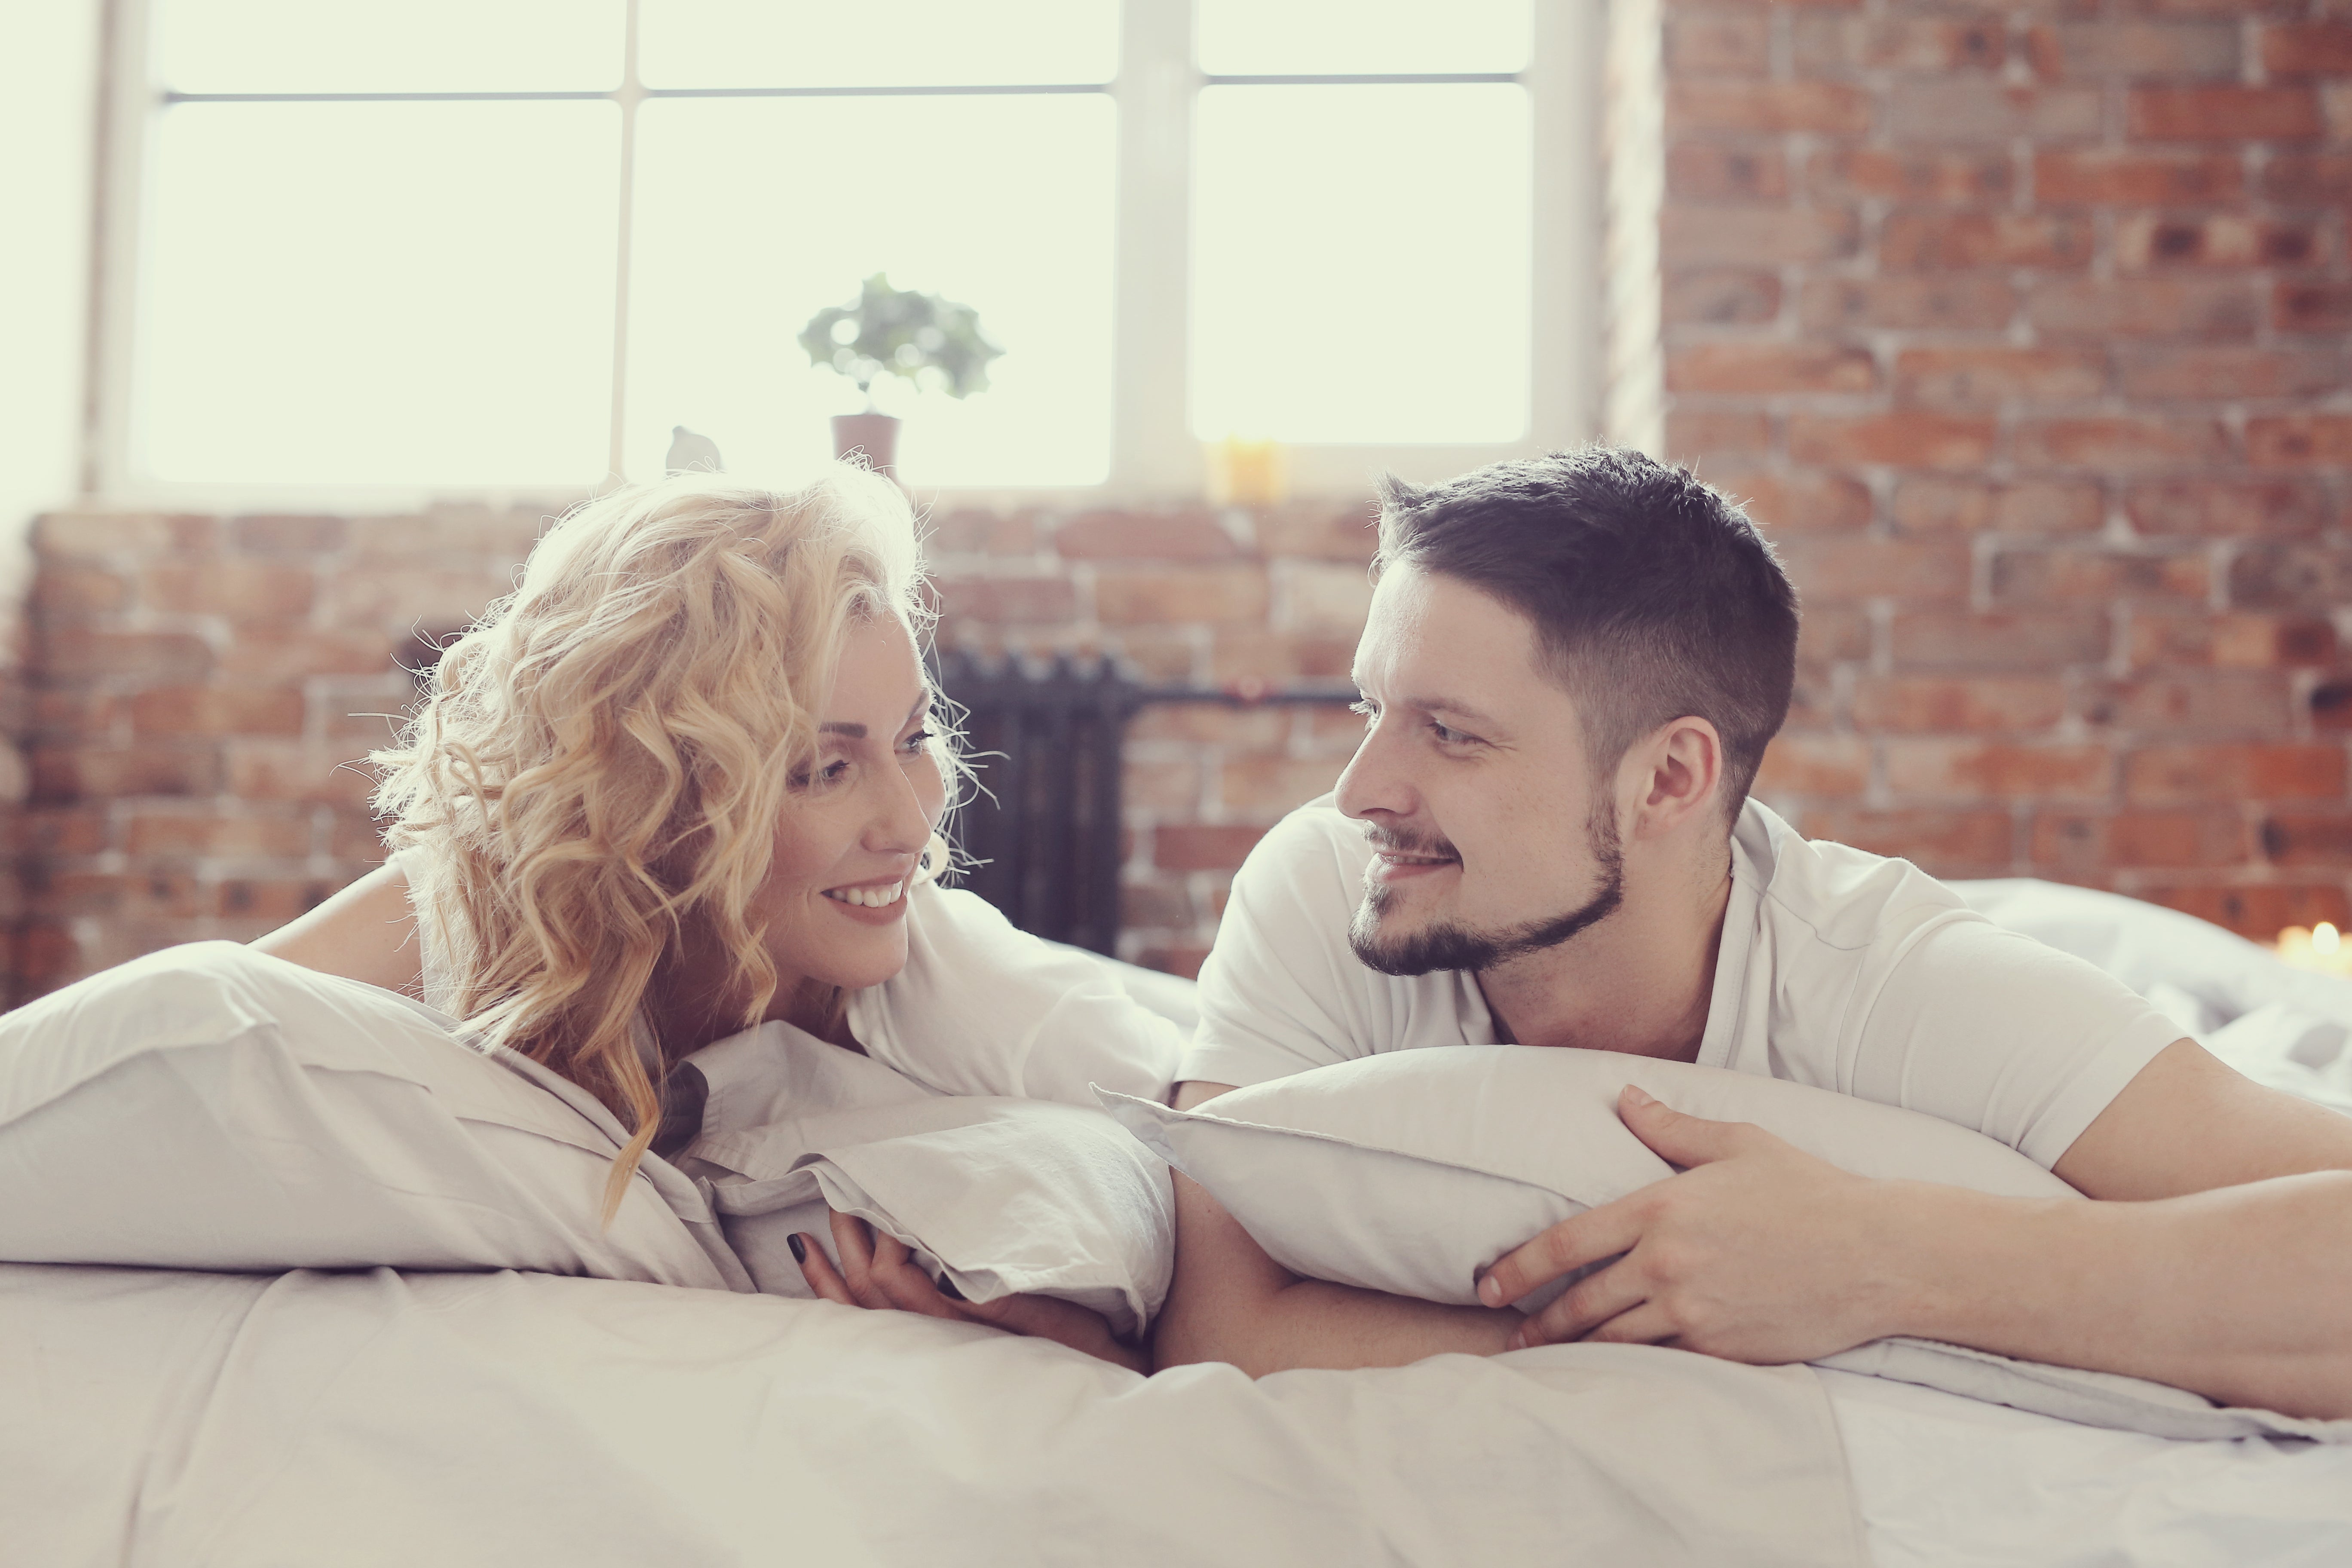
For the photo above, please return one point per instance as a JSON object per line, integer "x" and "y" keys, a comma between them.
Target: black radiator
{"x": 1040, "y": 827}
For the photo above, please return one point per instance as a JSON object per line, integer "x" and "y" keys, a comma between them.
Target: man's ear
{"x": 1678, "y": 774}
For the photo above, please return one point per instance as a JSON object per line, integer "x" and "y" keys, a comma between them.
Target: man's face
{"x": 1488, "y": 837}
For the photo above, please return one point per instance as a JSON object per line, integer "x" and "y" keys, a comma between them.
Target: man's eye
{"x": 1448, "y": 737}
{"x": 1370, "y": 711}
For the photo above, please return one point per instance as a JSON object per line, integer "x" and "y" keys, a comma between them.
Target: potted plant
{"x": 923, "y": 338}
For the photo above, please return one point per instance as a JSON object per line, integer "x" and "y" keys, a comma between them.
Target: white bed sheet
{"x": 154, "y": 1418}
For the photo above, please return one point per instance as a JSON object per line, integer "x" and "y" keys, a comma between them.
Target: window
{"x": 485, "y": 244}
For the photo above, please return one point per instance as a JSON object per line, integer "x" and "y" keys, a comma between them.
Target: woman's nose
{"x": 901, "y": 825}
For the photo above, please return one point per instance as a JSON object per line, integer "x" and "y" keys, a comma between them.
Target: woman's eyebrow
{"x": 858, "y": 731}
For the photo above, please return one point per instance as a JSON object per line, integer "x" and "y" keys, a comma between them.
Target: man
{"x": 1570, "y": 670}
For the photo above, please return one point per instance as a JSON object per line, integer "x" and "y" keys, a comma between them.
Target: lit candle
{"x": 2322, "y": 948}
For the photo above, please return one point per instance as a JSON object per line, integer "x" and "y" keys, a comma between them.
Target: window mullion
{"x": 632, "y": 93}
{"x": 122, "y": 167}
{"x": 1151, "y": 451}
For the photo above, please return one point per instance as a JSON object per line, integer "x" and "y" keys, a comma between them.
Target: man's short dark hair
{"x": 1653, "y": 597}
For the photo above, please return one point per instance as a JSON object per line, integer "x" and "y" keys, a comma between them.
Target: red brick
{"x": 2300, "y": 441}
{"x": 285, "y": 655}
{"x": 1199, "y": 847}
{"x": 1710, "y": 171}
{"x": 1145, "y": 536}
{"x": 2246, "y": 705}
{"x": 2260, "y": 910}
{"x": 1721, "y": 296}
{"x": 183, "y": 833}
{"x": 1913, "y": 44}
{"x": 1718, "y": 44}
{"x": 1275, "y": 784}
{"x": 1988, "y": 377}
{"x": 2218, "y": 113}
{"x": 276, "y": 899}
{"x": 247, "y": 590}
{"x": 2307, "y": 49}
{"x": 401, "y": 598}
{"x": 1769, "y": 367}
{"x": 1994, "y": 770}
{"x": 2283, "y": 576}
{"x": 70, "y": 588}
{"x": 103, "y": 773}
{"x": 1703, "y": 435}
{"x": 1909, "y": 439}
{"x": 1952, "y": 177}
{"x": 2311, "y": 307}
{"x": 2308, "y": 179}
{"x": 154, "y": 655}
{"x": 216, "y": 710}
{"x": 1215, "y": 594}
{"x": 1734, "y": 104}
{"x": 2041, "y": 576}
{"x": 2231, "y": 641}
{"x": 2092, "y": 842}
{"x": 1815, "y": 765}
{"x": 1181, "y": 959}
{"x": 1153, "y": 905}
{"x": 1938, "y": 302}
{"x": 1319, "y": 530}
{"x": 2271, "y": 507}
{"x": 2150, "y": 372}
{"x": 1163, "y": 786}
{"x": 2239, "y": 770}
{"x": 2120, "y": 441}
{"x": 1749, "y": 235}
{"x": 1937, "y": 841}
{"x": 2144, "y": 307}
{"x": 1831, "y": 633}
{"x": 1972, "y": 110}
{"x": 268, "y": 770}
{"x": 2108, "y": 176}
{"x": 1951, "y": 242}
{"x": 1798, "y": 502}
{"x": 2112, "y": 47}
{"x": 50, "y": 833}
{"x": 288, "y": 534}
{"x": 1952, "y": 639}
{"x": 2307, "y": 838}
{"x": 1213, "y": 724}
{"x": 1019, "y": 601}
{"x": 1970, "y": 505}
{"x": 978, "y": 531}
{"x": 2151, "y": 241}
{"x": 1244, "y": 660}
{"x": 1916, "y": 704}
{"x": 141, "y": 534}
{"x": 1835, "y": 566}
{"x": 122, "y": 894}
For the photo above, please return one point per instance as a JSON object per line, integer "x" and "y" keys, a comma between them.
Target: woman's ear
{"x": 1681, "y": 764}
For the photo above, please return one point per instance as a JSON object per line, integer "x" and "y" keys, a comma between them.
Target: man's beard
{"x": 1446, "y": 945}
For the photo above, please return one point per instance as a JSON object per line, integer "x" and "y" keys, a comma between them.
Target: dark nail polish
{"x": 946, "y": 1288}
{"x": 799, "y": 1247}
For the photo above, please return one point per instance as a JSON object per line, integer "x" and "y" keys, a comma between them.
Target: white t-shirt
{"x": 1837, "y": 968}
{"x": 981, "y": 1007}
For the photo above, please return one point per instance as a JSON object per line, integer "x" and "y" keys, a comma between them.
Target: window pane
{"x": 913, "y": 43}
{"x": 356, "y": 293}
{"x": 417, "y": 46}
{"x": 1342, "y": 38}
{"x": 754, "y": 214}
{"x": 1361, "y": 264}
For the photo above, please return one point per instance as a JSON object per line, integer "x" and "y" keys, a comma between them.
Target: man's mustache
{"x": 1396, "y": 843}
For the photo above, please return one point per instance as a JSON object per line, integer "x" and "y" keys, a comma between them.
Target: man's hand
{"x": 1756, "y": 1252}
{"x": 878, "y": 1273}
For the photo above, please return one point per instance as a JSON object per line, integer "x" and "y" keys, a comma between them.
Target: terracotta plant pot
{"x": 876, "y": 435}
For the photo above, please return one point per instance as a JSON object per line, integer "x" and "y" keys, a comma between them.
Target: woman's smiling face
{"x": 835, "y": 903}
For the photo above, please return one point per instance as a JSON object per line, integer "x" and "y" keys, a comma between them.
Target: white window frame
{"x": 1154, "y": 454}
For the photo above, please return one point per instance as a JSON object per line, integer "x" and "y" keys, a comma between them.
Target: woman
{"x": 685, "y": 781}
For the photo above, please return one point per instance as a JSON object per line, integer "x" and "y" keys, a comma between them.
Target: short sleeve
{"x": 1281, "y": 991}
{"x": 1993, "y": 1030}
{"x": 983, "y": 1007}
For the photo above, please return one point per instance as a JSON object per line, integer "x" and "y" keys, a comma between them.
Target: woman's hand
{"x": 878, "y": 1272}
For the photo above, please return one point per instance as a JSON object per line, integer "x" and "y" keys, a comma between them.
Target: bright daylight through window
{"x": 514, "y": 242}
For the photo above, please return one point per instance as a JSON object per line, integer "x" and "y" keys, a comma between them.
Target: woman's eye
{"x": 917, "y": 741}
{"x": 834, "y": 771}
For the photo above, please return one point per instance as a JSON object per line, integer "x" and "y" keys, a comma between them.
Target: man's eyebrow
{"x": 1453, "y": 705}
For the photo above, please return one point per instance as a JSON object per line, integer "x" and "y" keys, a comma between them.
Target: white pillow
{"x": 1004, "y": 1196}
{"x": 1410, "y": 1171}
{"x": 211, "y": 1107}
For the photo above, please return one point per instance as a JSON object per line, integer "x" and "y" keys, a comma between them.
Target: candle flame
{"x": 2324, "y": 938}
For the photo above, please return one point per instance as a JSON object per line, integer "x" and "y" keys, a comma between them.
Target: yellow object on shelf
{"x": 2322, "y": 948}
{"x": 1243, "y": 472}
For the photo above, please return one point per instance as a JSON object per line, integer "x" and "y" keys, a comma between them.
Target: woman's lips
{"x": 872, "y": 914}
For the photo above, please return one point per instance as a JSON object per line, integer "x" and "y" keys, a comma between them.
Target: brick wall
{"x": 2023, "y": 327}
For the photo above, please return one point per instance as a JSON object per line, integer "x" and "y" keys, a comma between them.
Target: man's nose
{"x": 1373, "y": 781}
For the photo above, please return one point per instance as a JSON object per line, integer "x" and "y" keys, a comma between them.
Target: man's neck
{"x": 1640, "y": 981}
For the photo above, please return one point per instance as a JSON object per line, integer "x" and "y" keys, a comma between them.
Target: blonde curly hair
{"x": 599, "y": 769}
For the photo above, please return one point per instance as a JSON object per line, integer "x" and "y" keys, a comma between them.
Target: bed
{"x": 372, "y": 1416}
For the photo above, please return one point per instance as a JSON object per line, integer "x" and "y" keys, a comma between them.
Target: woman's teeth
{"x": 868, "y": 898}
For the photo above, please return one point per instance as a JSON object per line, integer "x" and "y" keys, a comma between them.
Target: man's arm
{"x": 2216, "y": 1255}
{"x": 1231, "y": 1302}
